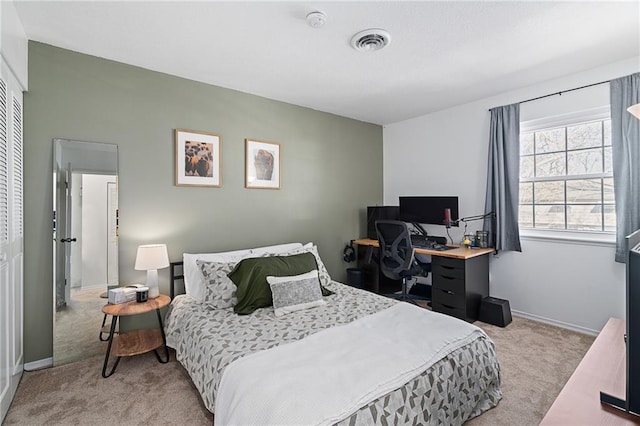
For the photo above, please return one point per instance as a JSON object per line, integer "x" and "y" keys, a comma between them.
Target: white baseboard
{"x": 39, "y": 364}
{"x": 560, "y": 324}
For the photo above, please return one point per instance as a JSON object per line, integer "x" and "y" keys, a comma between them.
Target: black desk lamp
{"x": 448, "y": 223}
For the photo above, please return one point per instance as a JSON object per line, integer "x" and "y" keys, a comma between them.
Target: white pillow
{"x": 194, "y": 282}
{"x": 295, "y": 293}
{"x": 277, "y": 249}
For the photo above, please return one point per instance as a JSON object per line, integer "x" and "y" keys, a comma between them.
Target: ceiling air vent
{"x": 370, "y": 40}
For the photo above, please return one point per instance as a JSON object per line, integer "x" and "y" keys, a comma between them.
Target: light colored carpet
{"x": 140, "y": 392}
{"x": 78, "y": 325}
{"x": 536, "y": 360}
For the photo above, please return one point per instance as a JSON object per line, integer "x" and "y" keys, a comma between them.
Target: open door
{"x": 68, "y": 240}
{"x": 64, "y": 238}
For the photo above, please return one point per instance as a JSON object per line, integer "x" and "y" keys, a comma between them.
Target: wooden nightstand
{"x": 135, "y": 342}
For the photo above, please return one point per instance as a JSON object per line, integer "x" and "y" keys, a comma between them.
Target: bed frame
{"x": 176, "y": 279}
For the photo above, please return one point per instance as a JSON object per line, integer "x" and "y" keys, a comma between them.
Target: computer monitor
{"x": 428, "y": 210}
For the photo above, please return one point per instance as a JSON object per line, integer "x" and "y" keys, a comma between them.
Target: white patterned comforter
{"x": 460, "y": 386}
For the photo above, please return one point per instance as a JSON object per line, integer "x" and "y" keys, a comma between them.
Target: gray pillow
{"x": 219, "y": 290}
{"x": 322, "y": 270}
{"x": 295, "y": 293}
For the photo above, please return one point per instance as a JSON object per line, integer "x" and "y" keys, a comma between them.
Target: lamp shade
{"x": 151, "y": 256}
{"x": 634, "y": 110}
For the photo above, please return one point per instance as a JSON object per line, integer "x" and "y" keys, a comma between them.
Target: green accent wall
{"x": 331, "y": 169}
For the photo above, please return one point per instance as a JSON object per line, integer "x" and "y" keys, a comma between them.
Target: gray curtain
{"x": 503, "y": 178}
{"x": 625, "y": 140}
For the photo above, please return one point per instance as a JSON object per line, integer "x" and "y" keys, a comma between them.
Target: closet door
{"x": 11, "y": 244}
{"x": 5, "y": 376}
{"x": 16, "y": 236}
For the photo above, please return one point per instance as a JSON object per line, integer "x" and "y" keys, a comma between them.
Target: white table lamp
{"x": 634, "y": 110}
{"x": 150, "y": 258}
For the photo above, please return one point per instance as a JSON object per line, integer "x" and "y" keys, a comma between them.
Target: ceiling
{"x": 442, "y": 53}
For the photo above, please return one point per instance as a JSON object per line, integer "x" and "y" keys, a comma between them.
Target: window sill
{"x": 569, "y": 237}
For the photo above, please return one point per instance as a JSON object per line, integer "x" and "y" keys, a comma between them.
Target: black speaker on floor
{"x": 379, "y": 213}
{"x": 495, "y": 311}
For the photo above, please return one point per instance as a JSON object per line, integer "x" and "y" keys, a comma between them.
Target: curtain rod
{"x": 563, "y": 91}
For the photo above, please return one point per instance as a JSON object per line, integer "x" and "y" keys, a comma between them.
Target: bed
{"x": 216, "y": 346}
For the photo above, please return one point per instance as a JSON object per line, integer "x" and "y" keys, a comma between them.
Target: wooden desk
{"x": 601, "y": 369}
{"x": 460, "y": 278}
{"x": 457, "y": 253}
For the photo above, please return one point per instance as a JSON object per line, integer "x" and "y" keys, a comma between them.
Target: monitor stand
{"x": 420, "y": 229}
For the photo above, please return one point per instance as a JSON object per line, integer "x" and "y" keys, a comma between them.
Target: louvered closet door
{"x": 17, "y": 234}
{"x": 11, "y": 244}
{"x": 5, "y": 305}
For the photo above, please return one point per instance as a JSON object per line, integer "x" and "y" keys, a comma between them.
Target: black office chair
{"x": 397, "y": 258}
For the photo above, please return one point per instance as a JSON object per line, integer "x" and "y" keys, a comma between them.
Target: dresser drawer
{"x": 447, "y": 298}
{"x": 449, "y": 310}
{"x": 454, "y": 285}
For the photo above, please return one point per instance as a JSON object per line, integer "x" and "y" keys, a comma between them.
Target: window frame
{"x": 598, "y": 237}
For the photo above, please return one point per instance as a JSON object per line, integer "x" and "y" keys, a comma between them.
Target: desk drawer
{"x": 448, "y": 262}
{"x": 446, "y": 272}
{"x": 454, "y": 285}
{"x": 448, "y": 269}
{"x": 449, "y": 310}
{"x": 448, "y": 298}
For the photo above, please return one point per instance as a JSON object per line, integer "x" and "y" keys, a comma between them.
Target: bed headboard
{"x": 176, "y": 281}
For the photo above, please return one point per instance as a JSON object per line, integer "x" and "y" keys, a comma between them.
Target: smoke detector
{"x": 370, "y": 40}
{"x": 316, "y": 19}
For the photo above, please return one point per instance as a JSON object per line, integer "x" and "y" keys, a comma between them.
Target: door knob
{"x": 68, "y": 240}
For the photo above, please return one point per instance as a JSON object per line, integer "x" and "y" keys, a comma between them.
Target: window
{"x": 566, "y": 175}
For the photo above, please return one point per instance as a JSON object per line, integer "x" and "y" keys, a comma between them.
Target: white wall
{"x": 13, "y": 43}
{"x": 578, "y": 286}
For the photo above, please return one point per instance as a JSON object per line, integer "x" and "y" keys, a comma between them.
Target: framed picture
{"x": 262, "y": 164}
{"x": 198, "y": 160}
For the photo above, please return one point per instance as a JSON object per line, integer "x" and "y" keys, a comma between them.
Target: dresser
{"x": 601, "y": 370}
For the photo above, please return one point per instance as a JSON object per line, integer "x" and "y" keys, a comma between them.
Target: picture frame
{"x": 198, "y": 158}
{"x": 262, "y": 164}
